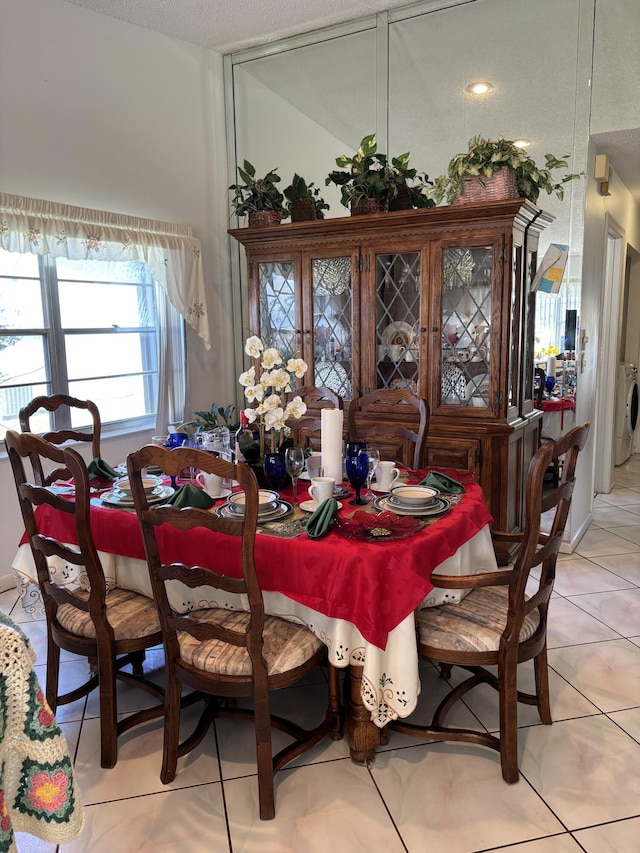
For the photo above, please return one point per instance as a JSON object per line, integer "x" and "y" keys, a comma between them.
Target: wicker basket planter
{"x": 501, "y": 185}
{"x": 368, "y": 205}
{"x": 263, "y": 218}
{"x": 303, "y": 210}
{"x": 402, "y": 200}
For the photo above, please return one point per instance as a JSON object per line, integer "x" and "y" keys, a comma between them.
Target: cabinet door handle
{"x": 433, "y": 329}
{"x": 423, "y": 330}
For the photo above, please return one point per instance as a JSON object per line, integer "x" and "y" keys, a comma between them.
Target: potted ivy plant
{"x": 260, "y": 198}
{"x": 366, "y": 185}
{"x": 409, "y": 186}
{"x": 498, "y": 168}
{"x": 303, "y": 200}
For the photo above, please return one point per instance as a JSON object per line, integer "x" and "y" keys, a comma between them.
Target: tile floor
{"x": 580, "y": 778}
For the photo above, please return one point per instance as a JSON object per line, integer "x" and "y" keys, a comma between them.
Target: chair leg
{"x": 53, "y": 669}
{"x": 137, "y": 659}
{"x": 335, "y": 707}
{"x": 541, "y": 671}
{"x": 171, "y": 729}
{"x": 508, "y": 700}
{"x": 264, "y": 755}
{"x": 108, "y": 710}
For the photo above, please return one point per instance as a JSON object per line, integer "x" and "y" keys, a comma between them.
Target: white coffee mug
{"x": 386, "y": 475}
{"x": 211, "y": 483}
{"x": 321, "y": 489}
{"x": 314, "y": 463}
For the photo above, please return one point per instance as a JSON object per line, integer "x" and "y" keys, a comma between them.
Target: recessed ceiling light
{"x": 522, "y": 143}
{"x": 480, "y": 87}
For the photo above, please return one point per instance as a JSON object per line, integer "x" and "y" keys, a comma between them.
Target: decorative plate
{"x": 332, "y": 375}
{"x": 397, "y": 334}
{"x": 453, "y": 384}
{"x": 384, "y": 527}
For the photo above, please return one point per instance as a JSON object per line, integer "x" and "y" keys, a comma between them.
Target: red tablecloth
{"x": 372, "y": 585}
{"x": 563, "y": 405}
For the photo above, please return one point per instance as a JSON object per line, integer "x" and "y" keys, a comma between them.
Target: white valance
{"x": 171, "y": 253}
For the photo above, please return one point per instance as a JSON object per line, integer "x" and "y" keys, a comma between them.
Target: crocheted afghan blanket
{"x": 38, "y": 793}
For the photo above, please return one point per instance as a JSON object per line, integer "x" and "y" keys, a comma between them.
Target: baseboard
{"x": 7, "y": 582}
{"x": 579, "y": 533}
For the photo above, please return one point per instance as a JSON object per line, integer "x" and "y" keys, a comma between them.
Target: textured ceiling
{"x": 228, "y": 25}
{"x": 231, "y": 25}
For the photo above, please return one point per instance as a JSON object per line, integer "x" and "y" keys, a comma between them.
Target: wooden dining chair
{"x": 307, "y": 431}
{"x": 499, "y": 624}
{"x": 396, "y": 422}
{"x": 65, "y": 433}
{"x": 110, "y": 627}
{"x": 215, "y": 650}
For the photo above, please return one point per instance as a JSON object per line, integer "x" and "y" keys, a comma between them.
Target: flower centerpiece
{"x": 268, "y": 391}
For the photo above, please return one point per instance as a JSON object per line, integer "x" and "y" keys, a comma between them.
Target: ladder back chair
{"x": 217, "y": 651}
{"x": 112, "y": 628}
{"x": 68, "y": 433}
{"x": 396, "y": 422}
{"x": 307, "y": 431}
{"x": 498, "y": 624}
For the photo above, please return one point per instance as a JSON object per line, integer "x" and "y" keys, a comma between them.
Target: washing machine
{"x": 626, "y": 410}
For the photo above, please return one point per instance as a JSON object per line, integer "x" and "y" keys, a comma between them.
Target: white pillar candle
{"x": 551, "y": 366}
{"x": 331, "y": 421}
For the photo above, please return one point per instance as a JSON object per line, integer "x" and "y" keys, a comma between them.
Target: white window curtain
{"x": 172, "y": 255}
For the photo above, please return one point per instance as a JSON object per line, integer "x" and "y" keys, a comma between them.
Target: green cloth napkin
{"x": 190, "y": 495}
{"x": 443, "y": 483}
{"x": 320, "y": 520}
{"x": 102, "y": 469}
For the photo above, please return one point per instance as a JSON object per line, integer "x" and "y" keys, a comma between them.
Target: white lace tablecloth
{"x": 390, "y": 683}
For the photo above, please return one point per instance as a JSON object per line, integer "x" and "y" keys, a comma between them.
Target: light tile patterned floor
{"x": 580, "y": 778}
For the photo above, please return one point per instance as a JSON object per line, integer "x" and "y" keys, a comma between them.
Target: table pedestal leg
{"x": 363, "y": 736}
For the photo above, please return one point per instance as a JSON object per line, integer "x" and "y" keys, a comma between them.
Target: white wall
{"x": 99, "y": 113}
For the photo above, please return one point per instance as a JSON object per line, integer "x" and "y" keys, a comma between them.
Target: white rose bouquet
{"x": 268, "y": 392}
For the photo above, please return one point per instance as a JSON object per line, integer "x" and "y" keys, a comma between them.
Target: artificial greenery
{"x": 217, "y": 416}
{"x": 402, "y": 175}
{"x": 256, "y": 193}
{"x": 486, "y": 156}
{"x": 299, "y": 190}
{"x": 367, "y": 176}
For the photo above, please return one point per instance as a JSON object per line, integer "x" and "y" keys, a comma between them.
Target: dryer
{"x": 626, "y": 410}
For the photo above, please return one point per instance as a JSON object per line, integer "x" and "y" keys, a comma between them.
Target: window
{"x": 82, "y": 327}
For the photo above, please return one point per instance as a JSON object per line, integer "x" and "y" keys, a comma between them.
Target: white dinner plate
{"x": 441, "y": 506}
{"x": 312, "y": 506}
{"x": 115, "y": 498}
{"x": 283, "y": 508}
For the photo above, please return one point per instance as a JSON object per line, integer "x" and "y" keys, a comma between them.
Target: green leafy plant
{"x": 256, "y": 193}
{"x": 486, "y": 156}
{"x": 217, "y": 416}
{"x": 367, "y": 174}
{"x": 299, "y": 190}
{"x": 408, "y": 181}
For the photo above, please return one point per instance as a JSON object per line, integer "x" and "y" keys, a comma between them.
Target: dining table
{"x": 358, "y": 596}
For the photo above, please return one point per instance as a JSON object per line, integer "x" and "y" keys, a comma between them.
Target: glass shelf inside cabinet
{"x": 332, "y": 324}
{"x": 276, "y": 285}
{"x": 466, "y": 326}
{"x": 397, "y": 320}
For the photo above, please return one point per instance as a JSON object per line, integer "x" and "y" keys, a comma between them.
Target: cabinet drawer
{"x": 453, "y": 453}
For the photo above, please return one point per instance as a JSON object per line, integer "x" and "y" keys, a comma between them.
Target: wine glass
{"x": 357, "y": 465}
{"x": 294, "y": 462}
{"x": 373, "y": 456}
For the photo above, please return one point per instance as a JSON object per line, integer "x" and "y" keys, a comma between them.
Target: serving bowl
{"x": 267, "y": 500}
{"x": 149, "y": 484}
{"x": 414, "y": 496}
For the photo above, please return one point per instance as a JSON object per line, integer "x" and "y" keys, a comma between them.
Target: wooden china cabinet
{"x": 435, "y": 300}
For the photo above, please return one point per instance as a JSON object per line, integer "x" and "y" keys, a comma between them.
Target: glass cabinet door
{"x": 466, "y": 345}
{"x": 397, "y": 320}
{"x": 332, "y": 307}
{"x": 277, "y": 307}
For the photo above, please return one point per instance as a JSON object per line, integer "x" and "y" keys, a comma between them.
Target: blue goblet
{"x": 357, "y": 465}
{"x": 275, "y": 470}
{"x": 550, "y": 383}
{"x": 176, "y": 439}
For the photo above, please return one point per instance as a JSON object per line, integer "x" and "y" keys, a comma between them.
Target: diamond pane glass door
{"x": 276, "y": 283}
{"x": 397, "y": 320}
{"x": 466, "y": 326}
{"x": 333, "y": 324}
